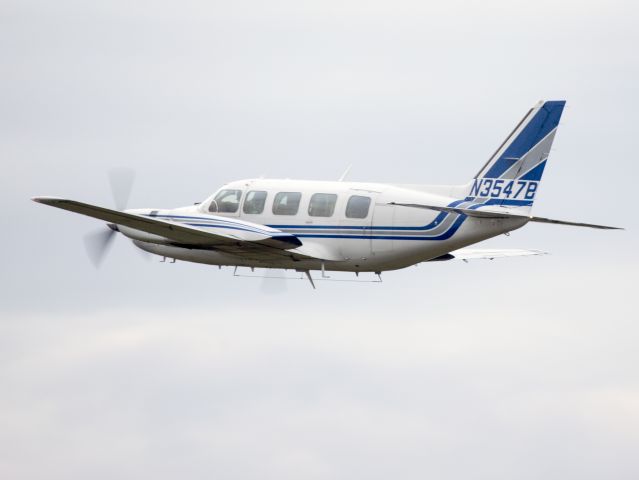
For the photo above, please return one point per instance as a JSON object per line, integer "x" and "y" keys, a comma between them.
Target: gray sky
{"x": 517, "y": 368}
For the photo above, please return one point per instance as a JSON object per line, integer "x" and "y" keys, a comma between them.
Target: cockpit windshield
{"x": 226, "y": 201}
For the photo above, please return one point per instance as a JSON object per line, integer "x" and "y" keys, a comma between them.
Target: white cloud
{"x": 258, "y": 392}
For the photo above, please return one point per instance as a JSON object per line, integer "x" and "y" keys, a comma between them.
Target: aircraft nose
{"x": 113, "y": 227}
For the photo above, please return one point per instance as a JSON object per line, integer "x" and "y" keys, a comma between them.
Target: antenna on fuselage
{"x": 343, "y": 177}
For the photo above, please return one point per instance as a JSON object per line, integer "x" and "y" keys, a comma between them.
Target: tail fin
{"x": 512, "y": 175}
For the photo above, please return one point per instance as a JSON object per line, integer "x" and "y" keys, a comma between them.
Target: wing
{"x": 228, "y": 234}
{"x": 502, "y": 212}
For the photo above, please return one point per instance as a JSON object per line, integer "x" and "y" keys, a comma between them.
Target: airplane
{"x": 348, "y": 226}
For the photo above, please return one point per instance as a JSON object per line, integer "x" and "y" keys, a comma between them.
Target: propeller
{"x": 99, "y": 242}
{"x": 121, "y": 181}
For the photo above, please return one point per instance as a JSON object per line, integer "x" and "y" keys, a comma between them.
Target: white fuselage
{"x": 374, "y": 239}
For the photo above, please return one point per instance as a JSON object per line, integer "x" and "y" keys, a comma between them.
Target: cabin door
{"x": 383, "y": 221}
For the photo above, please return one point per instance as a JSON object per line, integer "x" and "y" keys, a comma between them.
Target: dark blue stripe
{"x": 246, "y": 227}
{"x": 228, "y": 227}
{"x": 510, "y": 203}
{"x": 503, "y": 202}
{"x": 500, "y": 201}
{"x": 444, "y": 236}
{"x": 535, "y": 173}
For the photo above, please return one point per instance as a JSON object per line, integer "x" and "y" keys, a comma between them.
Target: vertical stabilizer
{"x": 512, "y": 175}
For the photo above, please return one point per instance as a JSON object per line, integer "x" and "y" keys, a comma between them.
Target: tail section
{"x": 512, "y": 175}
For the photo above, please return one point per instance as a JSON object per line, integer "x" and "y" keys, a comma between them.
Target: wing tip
{"x": 46, "y": 199}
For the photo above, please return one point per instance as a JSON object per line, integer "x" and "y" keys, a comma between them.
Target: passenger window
{"x": 286, "y": 203}
{"x": 226, "y": 201}
{"x": 254, "y": 202}
{"x": 322, "y": 205}
{"x": 357, "y": 207}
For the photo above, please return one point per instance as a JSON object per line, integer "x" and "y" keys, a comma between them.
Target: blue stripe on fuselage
{"x": 444, "y": 236}
{"x": 436, "y": 222}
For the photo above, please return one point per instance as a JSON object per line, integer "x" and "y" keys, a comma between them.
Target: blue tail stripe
{"x": 544, "y": 121}
{"x": 500, "y": 167}
{"x": 535, "y": 173}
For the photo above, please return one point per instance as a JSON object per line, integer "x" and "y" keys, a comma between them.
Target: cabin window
{"x": 322, "y": 205}
{"x": 226, "y": 201}
{"x": 357, "y": 206}
{"x": 254, "y": 202}
{"x": 287, "y": 203}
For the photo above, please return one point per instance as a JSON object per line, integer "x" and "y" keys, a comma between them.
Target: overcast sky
{"x": 518, "y": 368}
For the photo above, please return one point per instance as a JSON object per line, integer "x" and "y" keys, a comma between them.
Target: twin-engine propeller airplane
{"x": 348, "y": 226}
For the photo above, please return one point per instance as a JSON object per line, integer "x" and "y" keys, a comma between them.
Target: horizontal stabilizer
{"x": 501, "y": 212}
{"x": 573, "y": 224}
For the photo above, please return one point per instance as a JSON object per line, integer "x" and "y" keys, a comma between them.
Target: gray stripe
{"x": 533, "y": 157}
